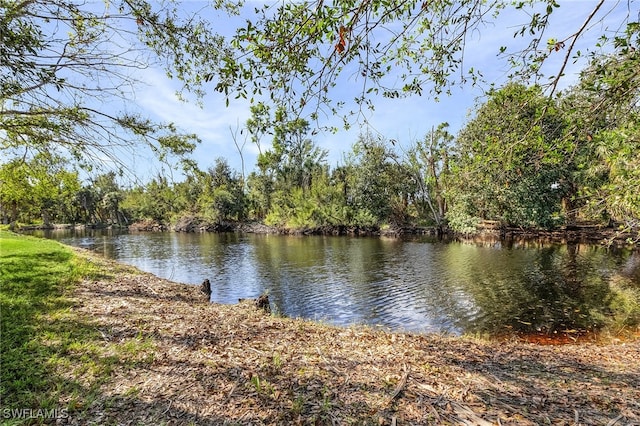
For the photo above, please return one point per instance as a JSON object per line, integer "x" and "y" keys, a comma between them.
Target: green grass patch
{"x": 53, "y": 358}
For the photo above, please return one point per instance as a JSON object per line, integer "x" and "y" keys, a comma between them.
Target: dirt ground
{"x": 211, "y": 364}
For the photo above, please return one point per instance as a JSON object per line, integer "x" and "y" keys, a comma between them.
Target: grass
{"x": 39, "y": 335}
{"x": 86, "y": 338}
{"x": 53, "y": 361}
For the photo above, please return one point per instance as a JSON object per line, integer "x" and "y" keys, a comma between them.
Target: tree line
{"x": 531, "y": 156}
{"x": 524, "y": 159}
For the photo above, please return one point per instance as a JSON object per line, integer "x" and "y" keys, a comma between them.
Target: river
{"x": 416, "y": 284}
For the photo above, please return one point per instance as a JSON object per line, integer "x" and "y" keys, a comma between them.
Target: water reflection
{"x": 418, "y": 285}
{"x": 555, "y": 288}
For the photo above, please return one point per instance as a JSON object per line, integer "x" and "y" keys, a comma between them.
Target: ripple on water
{"x": 408, "y": 285}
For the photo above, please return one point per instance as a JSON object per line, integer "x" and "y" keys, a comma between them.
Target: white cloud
{"x": 214, "y": 122}
{"x": 404, "y": 120}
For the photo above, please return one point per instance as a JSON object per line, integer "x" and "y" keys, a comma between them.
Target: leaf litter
{"x": 211, "y": 364}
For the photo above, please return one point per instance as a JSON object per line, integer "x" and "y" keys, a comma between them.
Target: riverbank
{"x": 487, "y": 231}
{"x": 126, "y": 347}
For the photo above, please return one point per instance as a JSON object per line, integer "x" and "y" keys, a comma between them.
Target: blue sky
{"x": 404, "y": 120}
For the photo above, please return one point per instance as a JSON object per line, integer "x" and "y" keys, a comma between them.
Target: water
{"x": 416, "y": 285}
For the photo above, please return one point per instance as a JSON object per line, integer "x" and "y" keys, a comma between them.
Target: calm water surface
{"x": 416, "y": 285}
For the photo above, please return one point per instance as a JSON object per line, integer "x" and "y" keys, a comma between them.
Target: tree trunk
{"x": 569, "y": 211}
{"x": 14, "y": 216}
{"x": 46, "y": 219}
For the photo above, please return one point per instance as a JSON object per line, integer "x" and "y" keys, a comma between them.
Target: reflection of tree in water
{"x": 316, "y": 276}
{"x": 630, "y": 268}
{"x": 558, "y": 289}
{"x": 573, "y": 294}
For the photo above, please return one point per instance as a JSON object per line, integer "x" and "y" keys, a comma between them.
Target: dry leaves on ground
{"x": 204, "y": 363}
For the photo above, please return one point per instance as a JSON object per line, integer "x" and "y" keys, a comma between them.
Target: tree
{"x": 602, "y": 112}
{"x": 157, "y": 200}
{"x": 108, "y": 196}
{"x": 429, "y": 163}
{"x": 62, "y": 66}
{"x": 293, "y": 157}
{"x": 222, "y": 196}
{"x": 525, "y": 158}
{"x": 288, "y": 168}
{"x": 296, "y": 53}
{"x": 66, "y": 186}
{"x": 619, "y": 196}
{"x": 87, "y": 201}
{"x": 62, "y": 61}
{"x": 39, "y": 189}
{"x": 509, "y": 164}
{"x": 379, "y": 184}
{"x": 15, "y": 197}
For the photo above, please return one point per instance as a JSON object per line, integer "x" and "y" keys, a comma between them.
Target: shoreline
{"x": 209, "y": 363}
{"x": 584, "y": 234}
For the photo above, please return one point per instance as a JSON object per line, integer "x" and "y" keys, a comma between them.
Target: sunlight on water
{"x": 416, "y": 285}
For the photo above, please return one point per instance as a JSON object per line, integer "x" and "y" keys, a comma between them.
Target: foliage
{"x": 155, "y": 201}
{"x": 294, "y": 55}
{"x": 53, "y": 357}
{"x": 603, "y": 114}
{"x": 322, "y": 205}
{"x": 428, "y": 160}
{"x": 282, "y": 190}
{"x": 619, "y": 195}
{"x": 108, "y": 197}
{"x": 524, "y": 159}
{"x": 35, "y": 319}
{"x": 508, "y": 166}
{"x": 459, "y": 217}
{"x": 222, "y": 195}
{"x": 528, "y": 160}
{"x": 61, "y": 62}
{"x": 293, "y": 158}
{"x": 379, "y": 184}
{"x": 39, "y": 188}
{"x": 298, "y": 51}
{"x": 260, "y": 190}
